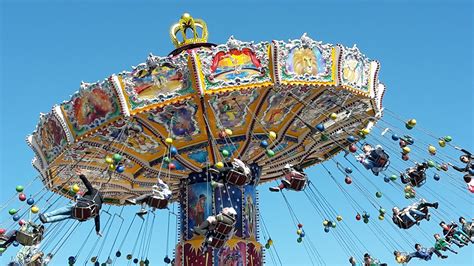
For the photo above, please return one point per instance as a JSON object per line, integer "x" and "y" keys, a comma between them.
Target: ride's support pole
{"x": 200, "y": 198}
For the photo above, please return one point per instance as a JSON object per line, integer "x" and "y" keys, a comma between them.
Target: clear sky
{"x": 425, "y": 49}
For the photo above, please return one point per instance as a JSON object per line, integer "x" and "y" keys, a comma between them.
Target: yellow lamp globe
{"x": 442, "y": 143}
{"x": 272, "y": 135}
{"x": 75, "y": 188}
{"x": 365, "y": 131}
{"x": 109, "y": 159}
{"x": 406, "y": 150}
{"x": 431, "y": 149}
{"x": 34, "y": 209}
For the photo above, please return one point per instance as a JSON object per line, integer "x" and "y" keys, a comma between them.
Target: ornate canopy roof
{"x": 194, "y": 94}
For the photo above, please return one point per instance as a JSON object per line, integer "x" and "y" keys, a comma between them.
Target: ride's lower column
{"x": 200, "y": 199}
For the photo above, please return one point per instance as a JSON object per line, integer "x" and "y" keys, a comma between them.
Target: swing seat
{"x": 157, "y": 203}
{"x": 219, "y": 236}
{"x": 28, "y": 238}
{"x": 407, "y": 225}
{"x": 380, "y": 159}
{"x": 85, "y": 213}
{"x": 223, "y": 228}
{"x": 237, "y": 178}
{"x": 225, "y": 224}
{"x": 30, "y": 234}
{"x": 216, "y": 243}
{"x": 298, "y": 182}
{"x": 417, "y": 179}
{"x": 423, "y": 210}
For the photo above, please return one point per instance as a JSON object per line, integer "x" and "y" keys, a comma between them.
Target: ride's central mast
{"x": 201, "y": 198}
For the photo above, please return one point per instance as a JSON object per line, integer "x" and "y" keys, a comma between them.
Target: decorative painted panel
{"x": 231, "y": 108}
{"x": 306, "y": 60}
{"x": 354, "y": 69}
{"x": 235, "y": 64}
{"x": 93, "y": 105}
{"x": 179, "y": 119}
{"x": 50, "y": 136}
{"x": 157, "y": 80}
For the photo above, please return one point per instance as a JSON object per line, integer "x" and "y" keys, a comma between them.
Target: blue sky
{"x": 425, "y": 49}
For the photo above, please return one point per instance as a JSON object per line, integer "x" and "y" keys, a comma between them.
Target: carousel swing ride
{"x": 209, "y": 123}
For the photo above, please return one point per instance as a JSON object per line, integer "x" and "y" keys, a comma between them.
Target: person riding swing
{"x": 157, "y": 199}
{"x": 467, "y": 227}
{"x": 217, "y": 228}
{"x": 454, "y": 234}
{"x": 415, "y": 175}
{"x": 238, "y": 173}
{"x": 420, "y": 253}
{"x": 468, "y": 169}
{"x": 29, "y": 234}
{"x": 295, "y": 179}
{"x": 86, "y": 207}
{"x": 374, "y": 159}
{"x": 411, "y": 215}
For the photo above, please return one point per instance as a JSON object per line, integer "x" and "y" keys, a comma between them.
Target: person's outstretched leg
{"x": 202, "y": 228}
{"x": 459, "y": 237}
{"x": 367, "y": 164}
{"x": 409, "y": 217}
{"x": 142, "y": 198}
{"x": 452, "y": 250}
{"x": 58, "y": 218}
{"x": 413, "y": 212}
{"x": 57, "y": 215}
{"x": 428, "y": 204}
{"x": 279, "y": 187}
{"x": 138, "y": 199}
{"x": 376, "y": 170}
{"x": 433, "y": 250}
{"x": 409, "y": 257}
{"x": 10, "y": 236}
{"x": 142, "y": 210}
{"x": 60, "y": 211}
{"x": 457, "y": 243}
{"x": 284, "y": 184}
